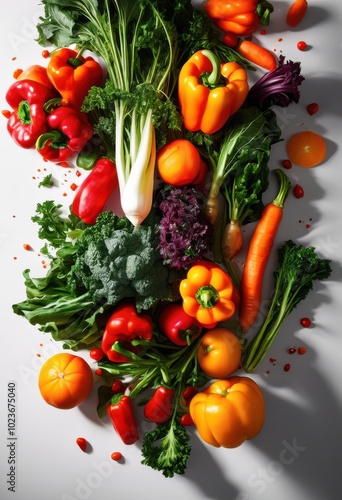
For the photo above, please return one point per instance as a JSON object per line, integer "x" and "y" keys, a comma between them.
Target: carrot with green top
{"x": 296, "y": 12}
{"x": 259, "y": 252}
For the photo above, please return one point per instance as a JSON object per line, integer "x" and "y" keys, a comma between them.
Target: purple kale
{"x": 185, "y": 235}
{"x": 278, "y": 87}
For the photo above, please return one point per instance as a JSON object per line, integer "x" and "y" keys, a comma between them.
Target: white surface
{"x": 297, "y": 455}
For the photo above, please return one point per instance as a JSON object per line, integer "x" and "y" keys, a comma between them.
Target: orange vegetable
{"x": 228, "y": 412}
{"x": 306, "y": 148}
{"x": 239, "y": 17}
{"x": 257, "y": 54}
{"x": 258, "y": 254}
{"x": 179, "y": 163}
{"x": 36, "y": 73}
{"x": 65, "y": 380}
{"x": 219, "y": 353}
{"x": 296, "y": 12}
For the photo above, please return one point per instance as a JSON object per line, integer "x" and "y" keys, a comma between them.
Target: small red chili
{"x": 298, "y": 191}
{"x": 305, "y": 322}
{"x": 287, "y": 367}
{"x": 312, "y": 108}
{"x": 301, "y": 45}
{"x": 189, "y": 392}
{"x": 96, "y": 354}
{"x": 186, "y": 420}
{"x": 301, "y": 351}
{"x": 116, "y": 456}
{"x": 287, "y": 164}
{"x": 82, "y": 443}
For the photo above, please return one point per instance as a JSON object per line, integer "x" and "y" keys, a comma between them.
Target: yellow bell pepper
{"x": 228, "y": 412}
{"x": 210, "y": 92}
{"x": 208, "y": 293}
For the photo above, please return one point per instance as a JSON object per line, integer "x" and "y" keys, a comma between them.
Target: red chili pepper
{"x": 73, "y": 75}
{"x": 159, "y": 408}
{"x": 28, "y": 90}
{"x": 120, "y": 411}
{"x": 69, "y": 132}
{"x": 125, "y": 325}
{"x": 95, "y": 190}
{"x": 177, "y": 325}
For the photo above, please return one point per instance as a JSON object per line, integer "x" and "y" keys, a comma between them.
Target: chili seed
{"x": 301, "y": 351}
{"x": 298, "y": 191}
{"x": 82, "y": 443}
{"x": 312, "y": 108}
{"x": 116, "y": 456}
{"x": 287, "y": 367}
{"x": 305, "y": 322}
{"x": 301, "y": 45}
{"x": 287, "y": 164}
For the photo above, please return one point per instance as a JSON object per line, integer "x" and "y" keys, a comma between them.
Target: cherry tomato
{"x": 298, "y": 191}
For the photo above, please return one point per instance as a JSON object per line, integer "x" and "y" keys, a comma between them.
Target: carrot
{"x": 296, "y": 12}
{"x": 257, "y": 54}
{"x": 258, "y": 254}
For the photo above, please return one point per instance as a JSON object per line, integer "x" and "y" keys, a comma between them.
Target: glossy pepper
{"x": 159, "y": 408}
{"x": 69, "y": 132}
{"x": 37, "y": 73}
{"x": 210, "y": 91}
{"x": 73, "y": 75}
{"x": 208, "y": 293}
{"x": 30, "y": 91}
{"x": 125, "y": 325}
{"x": 228, "y": 412}
{"x": 177, "y": 325}
{"x": 95, "y": 190}
{"x": 241, "y": 17}
{"x": 120, "y": 411}
{"x": 26, "y": 124}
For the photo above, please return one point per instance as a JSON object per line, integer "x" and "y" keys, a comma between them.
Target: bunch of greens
{"x": 143, "y": 44}
{"x": 93, "y": 268}
{"x": 299, "y": 267}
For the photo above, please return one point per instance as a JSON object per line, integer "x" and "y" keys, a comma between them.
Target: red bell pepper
{"x": 95, "y": 190}
{"x": 69, "y": 132}
{"x": 26, "y": 124}
{"x": 73, "y": 75}
{"x": 159, "y": 408}
{"x": 125, "y": 325}
{"x": 177, "y": 325}
{"x": 30, "y": 91}
{"x": 121, "y": 413}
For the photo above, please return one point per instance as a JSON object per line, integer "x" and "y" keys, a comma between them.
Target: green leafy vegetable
{"x": 47, "y": 181}
{"x": 166, "y": 448}
{"x": 93, "y": 268}
{"x": 299, "y": 267}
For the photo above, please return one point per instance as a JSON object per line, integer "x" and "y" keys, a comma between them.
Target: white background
{"x": 297, "y": 454}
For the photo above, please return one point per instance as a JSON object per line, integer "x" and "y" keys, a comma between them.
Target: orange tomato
{"x": 179, "y": 163}
{"x": 219, "y": 353}
{"x": 306, "y": 148}
{"x": 65, "y": 380}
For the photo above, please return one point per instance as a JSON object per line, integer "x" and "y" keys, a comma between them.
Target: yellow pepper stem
{"x": 207, "y": 296}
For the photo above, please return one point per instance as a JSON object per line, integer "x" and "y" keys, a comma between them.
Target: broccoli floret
{"x": 115, "y": 259}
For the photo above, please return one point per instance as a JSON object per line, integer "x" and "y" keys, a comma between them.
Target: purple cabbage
{"x": 278, "y": 87}
{"x": 185, "y": 235}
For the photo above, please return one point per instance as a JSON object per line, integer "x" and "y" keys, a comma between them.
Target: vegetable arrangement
{"x": 172, "y": 124}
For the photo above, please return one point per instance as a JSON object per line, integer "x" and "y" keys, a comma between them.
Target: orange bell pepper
{"x": 241, "y": 17}
{"x": 210, "y": 91}
{"x": 73, "y": 75}
{"x": 208, "y": 293}
{"x": 228, "y": 412}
